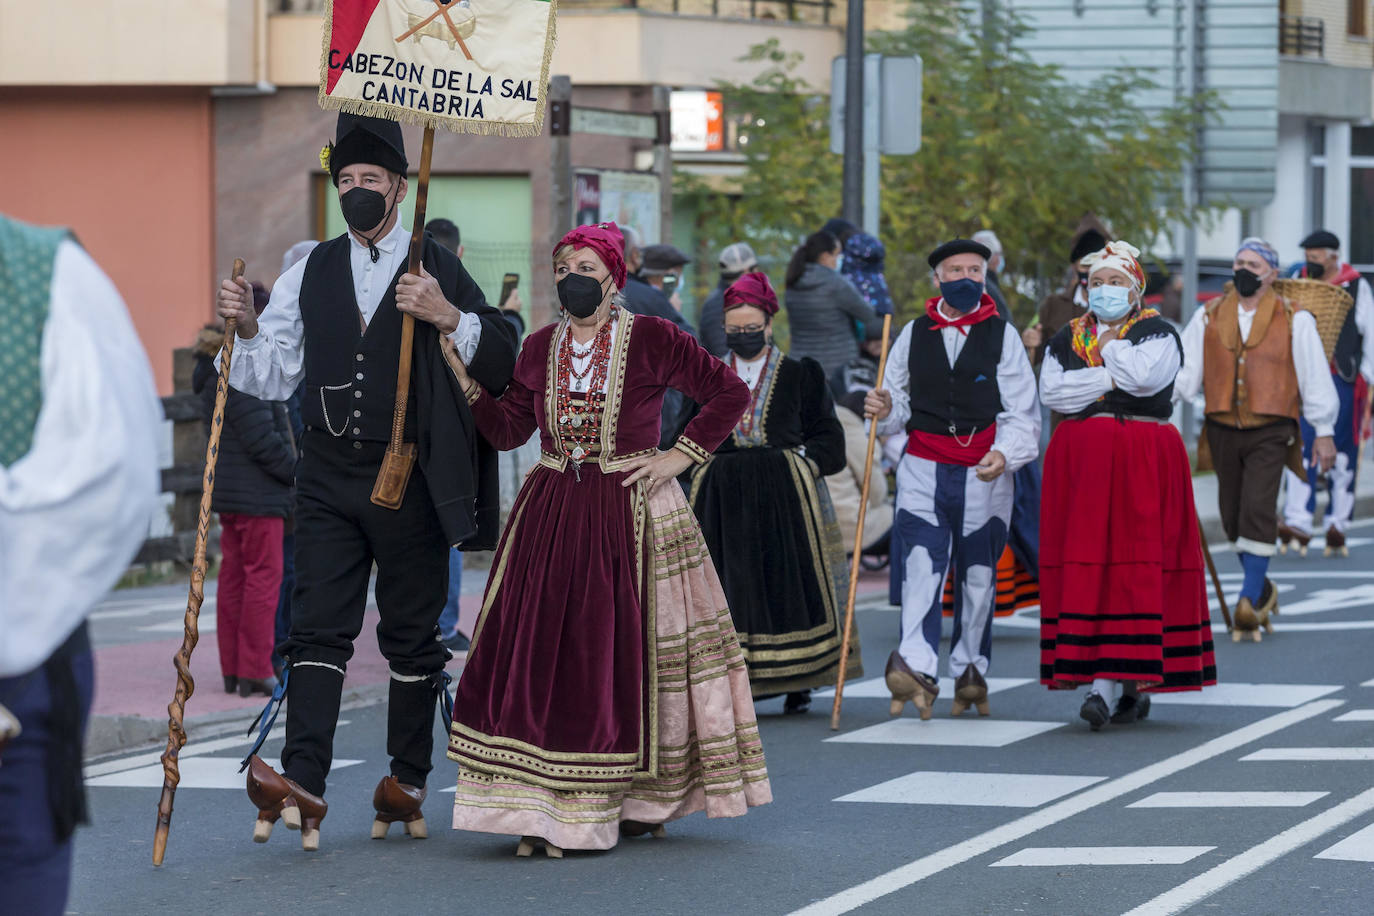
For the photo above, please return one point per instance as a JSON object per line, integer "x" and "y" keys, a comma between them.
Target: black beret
{"x": 374, "y": 141}
{"x": 1087, "y": 243}
{"x": 1321, "y": 239}
{"x": 958, "y": 246}
{"x": 664, "y": 257}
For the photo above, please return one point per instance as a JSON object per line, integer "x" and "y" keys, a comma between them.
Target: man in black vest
{"x": 335, "y": 322}
{"x": 1352, "y": 361}
{"x": 960, "y": 385}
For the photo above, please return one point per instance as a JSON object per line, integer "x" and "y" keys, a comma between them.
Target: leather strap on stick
{"x": 399, "y": 461}
{"x": 859, "y": 539}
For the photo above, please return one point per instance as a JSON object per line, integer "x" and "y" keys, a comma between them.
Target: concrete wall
{"x": 267, "y": 162}
{"x": 129, "y": 172}
{"x": 130, "y": 42}
{"x": 1321, "y": 90}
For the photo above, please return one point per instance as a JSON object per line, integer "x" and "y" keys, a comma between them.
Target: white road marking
{"x": 1321, "y": 600}
{"x": 196, "y": 773}
{"x": 922, "y": 868}
{"x": 1252, "y": 860}
{"x": 1356, "y": 715}
{"x": 193, "y": 748}
{"x": 994, "y": 790}
{"x": 1368, "y": 683}
{"x": 142, "y": 610}
{"x": 962, "y": 732}
{"x": 1281, "y": 696}
{"x": 1103, "y": 855}
{"x": 1228, "y": 800}
{"x": 1311, "y": 754}
{"x": 206, "y": 622}
{"x": 876, "y": 687}
{"x": 1358, "y": 847}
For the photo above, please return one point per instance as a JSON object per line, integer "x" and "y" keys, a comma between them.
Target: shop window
{"x": 1361, "y": 216}
{"x": 1362, "y": 141}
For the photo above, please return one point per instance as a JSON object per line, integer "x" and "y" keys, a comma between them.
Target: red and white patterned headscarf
{"x": 1118, "y": 255}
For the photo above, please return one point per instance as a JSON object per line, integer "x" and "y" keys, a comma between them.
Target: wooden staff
{"x": 186, "y": 685}
{"x": 859, "y": 539}
{"x": 399, "y": 460}
{"x": 1212, "y": 568}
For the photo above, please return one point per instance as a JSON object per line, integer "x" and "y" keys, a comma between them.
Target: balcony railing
{"x": 1302, "y": 36}
{"x": 812, "y": 11}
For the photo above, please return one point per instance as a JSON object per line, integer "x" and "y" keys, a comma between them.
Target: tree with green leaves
{"x": 1007, "y": 144}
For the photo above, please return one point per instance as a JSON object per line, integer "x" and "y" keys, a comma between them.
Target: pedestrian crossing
{"x": 1052, "y": 797}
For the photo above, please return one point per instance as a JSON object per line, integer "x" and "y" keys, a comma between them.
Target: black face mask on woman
{"x": 746, "y": 344}
{"x": 1247, "y": 282}
{"x": 580, "y": 295}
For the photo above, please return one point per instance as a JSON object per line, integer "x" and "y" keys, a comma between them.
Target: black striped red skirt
{"x": 1122, "y": 589}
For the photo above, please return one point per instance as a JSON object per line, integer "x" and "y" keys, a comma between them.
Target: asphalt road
{"x": 1024, "y": 812}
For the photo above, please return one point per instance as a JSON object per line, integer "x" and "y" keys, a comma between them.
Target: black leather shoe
{"x": 1094, "y": 711}
{"x": 797, "y": 703}
{"x": 231, "y": 683}
{"x": 1131, "y": 709}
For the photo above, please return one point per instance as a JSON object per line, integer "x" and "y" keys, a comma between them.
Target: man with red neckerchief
{"x": 958, "y": 382}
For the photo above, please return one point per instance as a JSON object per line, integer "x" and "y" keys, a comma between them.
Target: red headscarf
{"x": 608, "y": 243}
{"x": 752, "y": 289}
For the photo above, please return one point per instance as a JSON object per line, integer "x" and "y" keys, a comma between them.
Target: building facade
{"x": 170, "y": 162}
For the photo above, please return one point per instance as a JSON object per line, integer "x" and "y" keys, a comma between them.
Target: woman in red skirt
{"x": 1123, "y": 599}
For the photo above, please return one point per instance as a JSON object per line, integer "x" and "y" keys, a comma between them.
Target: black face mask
{"x": 1315, "y": 270}
{"x": 746, "y": 344}
{"x": 580, "y": 295}
{"x": 1247, "y": 282}
{"x": 365, "y": 209}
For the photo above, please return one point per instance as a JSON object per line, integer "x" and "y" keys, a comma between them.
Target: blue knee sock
{"x": 1255, "y": 567}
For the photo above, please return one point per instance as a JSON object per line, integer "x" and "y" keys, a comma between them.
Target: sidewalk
{"x": 136, "y": 633}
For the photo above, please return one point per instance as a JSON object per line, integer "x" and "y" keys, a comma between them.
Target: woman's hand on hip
{"x": 657, "y": 469}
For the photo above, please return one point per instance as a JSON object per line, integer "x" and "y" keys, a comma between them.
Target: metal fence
{"x": 1302, "y": 36}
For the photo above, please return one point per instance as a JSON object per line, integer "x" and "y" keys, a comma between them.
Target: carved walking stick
{"x": 186, "y": 685}
{"x": 858, "y": 540}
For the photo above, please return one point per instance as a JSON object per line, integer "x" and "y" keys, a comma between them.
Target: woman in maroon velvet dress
{"x": 605, "y": 692}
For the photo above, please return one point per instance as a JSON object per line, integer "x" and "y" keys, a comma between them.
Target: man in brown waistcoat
{"x": 1260, "y": 363}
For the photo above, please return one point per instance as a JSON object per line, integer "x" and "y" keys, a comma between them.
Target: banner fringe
{"x": 403, "y": 115}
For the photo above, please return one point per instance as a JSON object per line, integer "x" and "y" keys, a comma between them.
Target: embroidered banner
{"x": 474, "y": 66}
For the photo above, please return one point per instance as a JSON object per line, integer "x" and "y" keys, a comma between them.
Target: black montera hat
{"x": 958, "y": 246}
{"x": 1321, "y": 239}
{"x": 375, "y": 141}
{"x": 1091, "y": 240}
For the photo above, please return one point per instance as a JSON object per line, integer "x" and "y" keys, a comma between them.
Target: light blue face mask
{"x": 1110, "y": 302}
{"x": 839, "y": 264}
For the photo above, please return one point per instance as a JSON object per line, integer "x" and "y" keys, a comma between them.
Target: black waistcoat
{"x": 350, "y": 376}
{"x": 1117, "y": 402}
{"x": 1350, "y": 345}
{"x": 966, "y": 396}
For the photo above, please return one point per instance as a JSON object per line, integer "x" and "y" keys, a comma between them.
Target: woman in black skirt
{"x": 766, "y": 514}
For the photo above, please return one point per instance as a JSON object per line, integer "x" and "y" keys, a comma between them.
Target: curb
{"x": 112, "y": 735}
